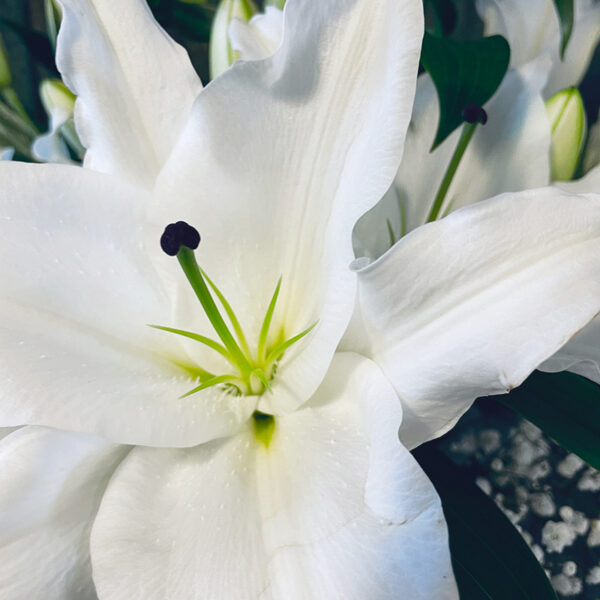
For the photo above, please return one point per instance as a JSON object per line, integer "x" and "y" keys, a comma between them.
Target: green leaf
{"x": 490, "y": 558}
{"x": 565, "y": 11}
{"x": 565, "y": 406}
{"x": 463, "y": 73}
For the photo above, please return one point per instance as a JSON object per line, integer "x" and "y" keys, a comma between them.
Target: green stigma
{"x": 253, "y": 371}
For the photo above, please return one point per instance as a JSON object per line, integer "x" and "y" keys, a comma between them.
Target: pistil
{"x": 473, "y": 115}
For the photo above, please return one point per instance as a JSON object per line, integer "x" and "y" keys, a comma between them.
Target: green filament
{"x": 254, "y": 371}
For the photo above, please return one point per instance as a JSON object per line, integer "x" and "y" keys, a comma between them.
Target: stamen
{"x": 198, "y": 338}
{"x": 177, "y": 235}
{"x": 255, "y": 371}
{"x": 278, "y": 351}
{"x": 474, "y": 114}
{"x": 264, "y": 330}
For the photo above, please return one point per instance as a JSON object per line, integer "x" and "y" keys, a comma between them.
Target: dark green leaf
{"x": 37, "y": 43}
{"x": 440, "y": 16}
{"x": 463, "y": 73}
{"x": 565, "y": 406}
{"x": 564, "y": 8}
{"x": 490, "y": 558}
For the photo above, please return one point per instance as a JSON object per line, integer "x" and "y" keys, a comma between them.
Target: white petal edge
{"x": 50, "y": 147}
{"x": 282, "y": 156}
{"x": 52, "y": 483}
{"x": 135, "y": 85}
{"x": 258, "y": 38}
{"x": 470, "y": 305}
{"x": 581, "y": 354}
{"x": 334, "y": 508}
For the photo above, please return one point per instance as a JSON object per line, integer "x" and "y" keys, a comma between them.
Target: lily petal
{"x": 133, "y": 97}
{"x": 532, "y": 29}
{"x": 78, "y": 290}
{"x": 316, "y": 514}
{"x": 516, "y": 136}
{"x": 580, "y": 355}
{"x": 470, "y": 305}
{"x": 258, "y": 38}
{"x": 282, "y": 156}
{"x": 52, "y": 483}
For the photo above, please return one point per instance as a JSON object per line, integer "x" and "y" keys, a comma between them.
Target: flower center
{"x": 253, "y": 371}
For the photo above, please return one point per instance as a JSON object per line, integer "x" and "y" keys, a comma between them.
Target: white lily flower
{"x": 313, "y": 497}
{"x": 59, "y": 104}
{"x": 532, "y": 30}
{"x": 511, "y": 152}
{"x": 319, "y": 501}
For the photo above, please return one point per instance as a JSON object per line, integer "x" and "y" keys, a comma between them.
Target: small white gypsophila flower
{"x": 570, "y": 465}
{"x": 557, "y": 535}
{"x": 542, "y": 504}
{"x": 567, "y": 586}
{"x": 593, "y": 576}
{"x": 577, "y": 520}
{"x": 593, "y": 539}
{"x": 589, "y": 481}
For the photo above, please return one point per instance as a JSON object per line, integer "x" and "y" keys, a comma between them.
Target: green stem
{"x": 231, "y": 314}
{"x": 465, "y": 137}
{"x": 13, "y": 101}
{"x": 190, "y": 267}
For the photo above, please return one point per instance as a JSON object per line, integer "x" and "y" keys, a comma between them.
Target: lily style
{"x": 207, "y": 388}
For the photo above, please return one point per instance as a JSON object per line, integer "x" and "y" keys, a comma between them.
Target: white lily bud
{"x": 56, "y": 96}
{"x": 221, "y": 54}
{"x": 567, "y": 118}
{"x": 5, "y": 74}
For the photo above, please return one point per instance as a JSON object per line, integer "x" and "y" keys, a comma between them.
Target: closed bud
{"x": 276, "y": 3}
{"x": 57, "y": 98}
{"x": 567, "y": 119}
{"x": 221, "y": 54}
{"x": 5, "y": 75}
